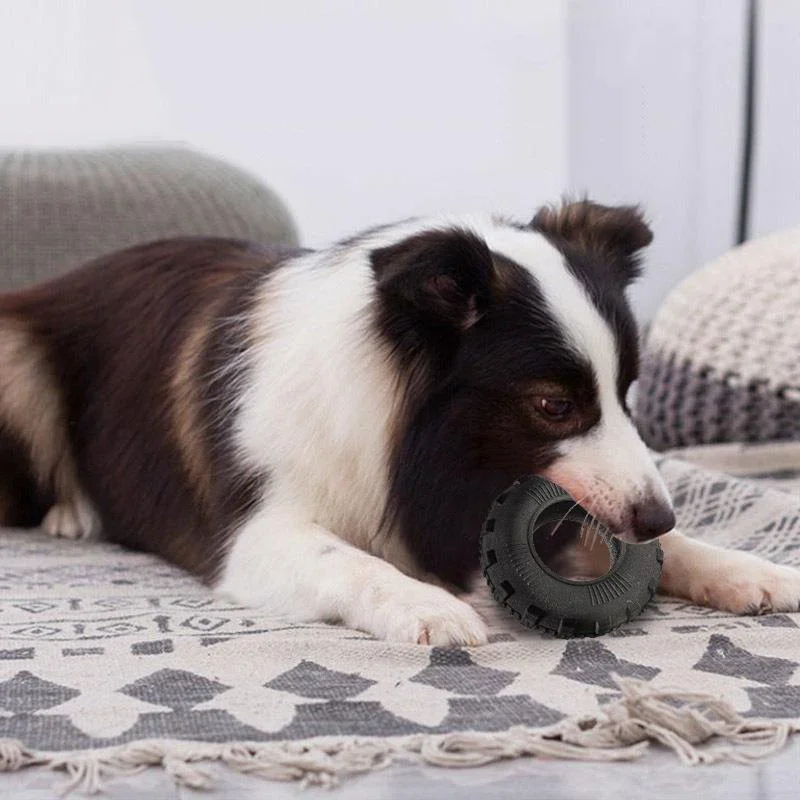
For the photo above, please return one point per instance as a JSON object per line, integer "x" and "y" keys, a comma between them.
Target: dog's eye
{"x": 555, "y": 407}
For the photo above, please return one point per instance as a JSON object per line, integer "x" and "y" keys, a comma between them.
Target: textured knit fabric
{"x": 722, "y": 360}
{"x": 59, "y": 208}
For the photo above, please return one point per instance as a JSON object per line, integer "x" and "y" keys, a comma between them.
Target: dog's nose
{"x": 651, "y": 518}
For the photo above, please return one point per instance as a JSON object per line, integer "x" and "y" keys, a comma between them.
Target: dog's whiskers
{"x": 566, "y": 514}
{"x": 590, "y": 532}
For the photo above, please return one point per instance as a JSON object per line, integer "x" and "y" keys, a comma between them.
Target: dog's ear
{"x": 439, "y": 277}
{"x": 616, "y": 232}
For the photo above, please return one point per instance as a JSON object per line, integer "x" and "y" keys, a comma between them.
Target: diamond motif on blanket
{"x": 35, "y": 606}
{"x": 205, "y": 624}
{"x": 26, "y": 693}
{"x": 192, "y": 602}
{"x": 120, "y": 628}
{"x": 723, "y": 657}
{"x": 175, "y": 688}
{"x": 455, "y": 671}
{"x": 113, "y": 603}
{"x": 308, "y": 679}
{"x": 38, "y": 631}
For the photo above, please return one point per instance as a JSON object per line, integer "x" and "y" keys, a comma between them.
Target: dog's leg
{"x": 301, "y": 570}
{"x": 729, "y": 580}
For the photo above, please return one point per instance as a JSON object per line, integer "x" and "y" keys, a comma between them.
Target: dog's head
{"x": 522, "y": 343}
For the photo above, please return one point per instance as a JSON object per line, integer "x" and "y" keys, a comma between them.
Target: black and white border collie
{"x": 321, "y": 433}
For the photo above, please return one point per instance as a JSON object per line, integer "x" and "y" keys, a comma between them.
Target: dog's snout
{"x": 651, "y": 518}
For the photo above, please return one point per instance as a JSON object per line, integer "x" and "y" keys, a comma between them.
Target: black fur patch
{"x": 22, "y": 503}
{"x": 471, "y": 425}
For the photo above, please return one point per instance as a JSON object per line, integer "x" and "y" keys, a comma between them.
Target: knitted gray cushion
{"x": 60, "y": 208}
{"x": 722, "y": 359}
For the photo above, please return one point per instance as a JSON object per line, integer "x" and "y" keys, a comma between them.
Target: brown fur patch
{"x": 31, "y": 408}
{"x": 122, "y": 357}
{"x": 186, "y": 395}
{"x": 590, "y": 226}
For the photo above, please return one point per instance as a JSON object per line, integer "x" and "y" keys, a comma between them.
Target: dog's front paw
{"x": 743, "y": 584}
{"x": 431, "y": 616}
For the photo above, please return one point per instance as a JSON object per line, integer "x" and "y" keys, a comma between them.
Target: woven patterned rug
{"x": 112, "y": 660}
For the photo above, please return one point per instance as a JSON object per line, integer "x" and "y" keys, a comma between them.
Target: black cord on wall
{"x": 743, "y": 222}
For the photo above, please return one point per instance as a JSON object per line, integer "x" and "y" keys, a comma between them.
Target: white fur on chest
{"x": 321, "y": 398}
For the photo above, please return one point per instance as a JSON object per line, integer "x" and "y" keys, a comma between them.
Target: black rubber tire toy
{"x": 537, "y": 596}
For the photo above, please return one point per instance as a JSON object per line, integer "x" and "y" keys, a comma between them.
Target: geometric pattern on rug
{"x": 590, "y": 661}
{"x": 102, "y": 646}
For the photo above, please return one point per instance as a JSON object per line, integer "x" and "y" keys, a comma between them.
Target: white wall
{"x": 655, "y": 104}
{"x": 776, "y": 185}
{"x": 356, "y": 112}
{"x": 362, "y": 111}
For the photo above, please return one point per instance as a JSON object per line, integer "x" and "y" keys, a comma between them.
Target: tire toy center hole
{"x": 573, "y": 545}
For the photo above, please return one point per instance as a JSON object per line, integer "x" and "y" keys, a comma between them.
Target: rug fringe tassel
{"x": 698, "y": 728}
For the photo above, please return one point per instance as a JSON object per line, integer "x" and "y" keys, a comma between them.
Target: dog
{"x": 321, "y": 433}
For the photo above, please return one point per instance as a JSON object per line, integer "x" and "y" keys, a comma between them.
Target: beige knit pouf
{"x": 722, "y": 359}
{"x": 59, "y": 208}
